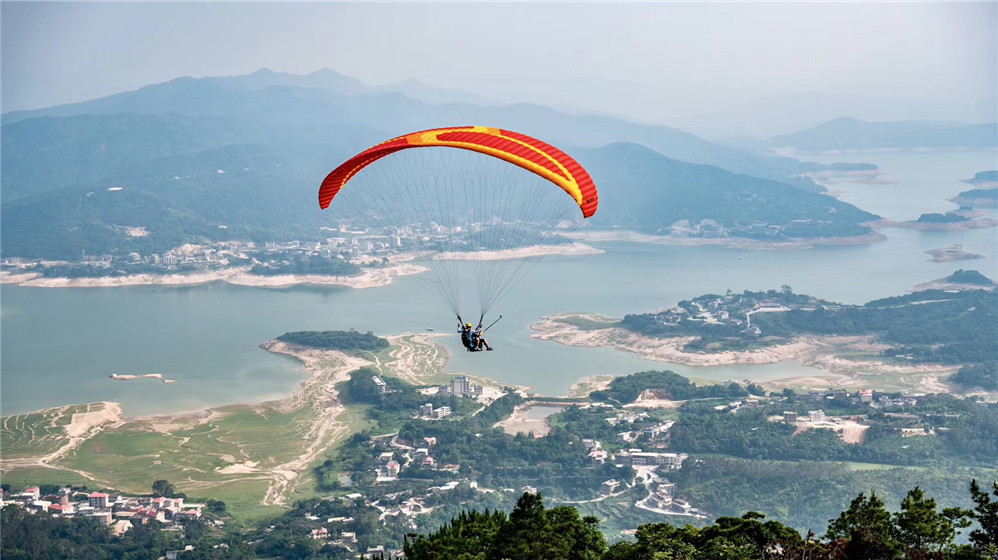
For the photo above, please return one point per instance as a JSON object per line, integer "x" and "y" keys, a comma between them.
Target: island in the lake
{"x": 954, "y": 252}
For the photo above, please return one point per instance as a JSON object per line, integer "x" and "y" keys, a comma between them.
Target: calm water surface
{"x": 59, "y": 346}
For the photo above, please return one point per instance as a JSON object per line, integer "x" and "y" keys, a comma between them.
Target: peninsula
{"x": 851, "y": 344}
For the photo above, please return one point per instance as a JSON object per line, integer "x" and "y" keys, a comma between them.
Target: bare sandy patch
{"x": 589, "y": 384}
{"x": 13, "y": 277}
{"x": 518, "y": 422}
{"x": 650, "y": 398}
{"x": 848, "y": 431}
{"x": 249, "y": 467}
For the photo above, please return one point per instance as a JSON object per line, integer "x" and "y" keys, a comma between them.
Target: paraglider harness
{"x": 470, "y": 337}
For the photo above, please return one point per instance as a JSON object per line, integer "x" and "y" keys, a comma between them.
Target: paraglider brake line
{"x": 490, "y": 326}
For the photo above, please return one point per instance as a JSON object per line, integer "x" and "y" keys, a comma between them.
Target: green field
{"x": 588, "y": 322}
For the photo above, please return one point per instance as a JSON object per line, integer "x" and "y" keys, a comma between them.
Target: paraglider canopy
{"x": 479, "y": 217}
{"x": 519, "y": 149}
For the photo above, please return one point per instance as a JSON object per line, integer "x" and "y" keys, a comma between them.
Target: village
{"x": 361, "y": 247}
{"x": 734, "y": 309}
{"x": 641, "y": 446}
{"x": 118, "y": 511}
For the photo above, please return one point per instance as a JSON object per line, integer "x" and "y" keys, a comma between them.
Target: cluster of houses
{"x": 387, "y": 468}
{"x": 862, "y": 396}
{"x": 121, "y": 512}
{"x": 330, "y": 532}
{"x": 596, "y": 455}
{"x": 726, "y": 310}
{"x": 342, "y": 539}
{"x": 427, "y": 412}
{"x": 355, "y": 245}
{"x": 662, "y": 499}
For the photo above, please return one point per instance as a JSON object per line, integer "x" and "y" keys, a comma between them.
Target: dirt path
{"x": 318, "y": 393}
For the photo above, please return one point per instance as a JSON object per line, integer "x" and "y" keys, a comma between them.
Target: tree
{"x": 985, "y": 513}
{"x": 659, "y": 540}
{"x": 194, "y": 529}
{"x": 920, "y": 527}
{"x": 216, "y": 506}
{"x": 163, "y": 488}
{"x": 866, "y": 530}
{"x": 469, "y": 536}
{"x": 527, "y": 534}
{"x": 46, "y": 489}
{"x": 587, "y": 540}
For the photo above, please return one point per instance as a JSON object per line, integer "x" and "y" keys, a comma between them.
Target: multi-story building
{"x": 98, "y": 500}
{"x": 460, "y": 386}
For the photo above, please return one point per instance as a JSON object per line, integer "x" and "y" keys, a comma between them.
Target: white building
{"x": 638, "y": 458}
{"x": 460, "y": 385}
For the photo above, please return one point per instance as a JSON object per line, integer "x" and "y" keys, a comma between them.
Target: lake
{"x": 59, "y": 346}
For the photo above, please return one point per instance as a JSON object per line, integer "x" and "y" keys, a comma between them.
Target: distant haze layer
{"x": 683, "y": 64}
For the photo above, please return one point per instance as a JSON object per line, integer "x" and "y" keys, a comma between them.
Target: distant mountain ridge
{"x": 849, "y": 133}
{"x": 332, "y": 98}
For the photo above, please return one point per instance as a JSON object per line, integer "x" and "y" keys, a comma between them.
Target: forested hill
{"x": 194, "y": 161}
{"x": 642, "y": 189}
{"x": 346, "y": 341}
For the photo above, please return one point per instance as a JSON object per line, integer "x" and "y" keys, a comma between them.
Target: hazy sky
{"x": 649, "y": 61}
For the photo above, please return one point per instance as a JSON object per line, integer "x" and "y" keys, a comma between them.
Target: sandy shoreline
{"x": 974, "y": 223}
{"x": 370, "y": 278}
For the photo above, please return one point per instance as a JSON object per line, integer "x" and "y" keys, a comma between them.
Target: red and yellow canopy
{"x": 519, "y": 149}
